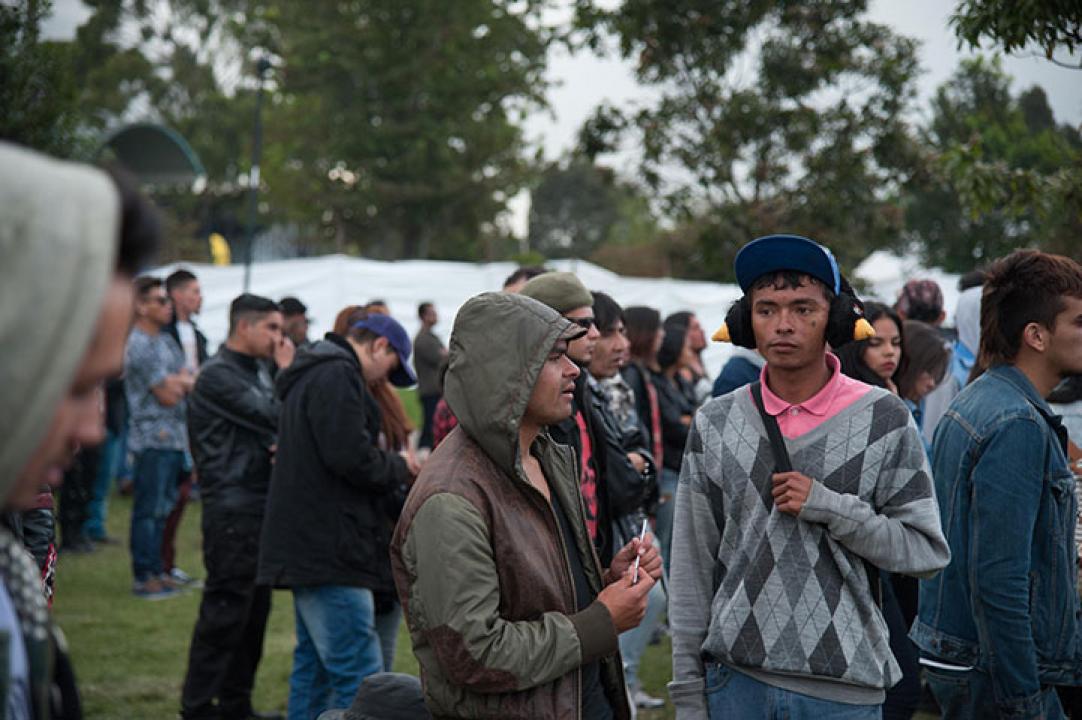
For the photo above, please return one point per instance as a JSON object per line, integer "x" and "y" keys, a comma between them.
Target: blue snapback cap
{"x": 786, "y": 252}
{"x": 388, "y": 327}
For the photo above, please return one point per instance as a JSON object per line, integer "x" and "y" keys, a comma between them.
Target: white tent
{"x": 327, "y": 284}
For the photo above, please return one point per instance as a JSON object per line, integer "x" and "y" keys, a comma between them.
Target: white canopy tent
{"x": 327, "y": 284}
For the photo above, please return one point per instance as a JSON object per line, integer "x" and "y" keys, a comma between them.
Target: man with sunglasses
{"x": 612, "y": 486}
{"x": 156, "y": 384}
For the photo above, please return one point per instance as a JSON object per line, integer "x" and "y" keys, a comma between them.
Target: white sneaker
{"x": 647, "y": 702}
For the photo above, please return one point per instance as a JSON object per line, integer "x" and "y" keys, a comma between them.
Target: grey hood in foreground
{"x": 58, "y": 236}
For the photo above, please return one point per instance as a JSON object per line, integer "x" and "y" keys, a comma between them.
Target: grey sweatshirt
{"x": 787, "y": 599}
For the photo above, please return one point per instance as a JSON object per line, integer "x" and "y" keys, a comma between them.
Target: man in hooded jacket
{"x": 510, "y": 611}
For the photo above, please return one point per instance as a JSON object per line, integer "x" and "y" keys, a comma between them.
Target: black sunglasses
{"x": 584, "y": 323}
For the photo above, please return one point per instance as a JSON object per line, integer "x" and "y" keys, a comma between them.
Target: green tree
{"x": 1002, "y": 173}
{"x": 1053, "y": 25}
{"x": 37, "y": 93}
{"x": 770, "y": 117}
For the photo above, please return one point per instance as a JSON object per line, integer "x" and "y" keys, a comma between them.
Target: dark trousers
{"x": 903, "y": 699}
{"x": 75, "y": 496}
{"x": 428, "y": 406}
{"x": 227, "y": 643}
{"x": 172, "y": 524}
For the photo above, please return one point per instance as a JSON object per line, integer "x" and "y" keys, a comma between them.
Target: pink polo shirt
{"x": 840, "y": 392}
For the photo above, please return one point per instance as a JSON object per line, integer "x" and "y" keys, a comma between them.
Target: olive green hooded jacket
{"x": 479, "y": 562}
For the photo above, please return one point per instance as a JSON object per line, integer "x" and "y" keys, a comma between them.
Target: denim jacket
{"x": 1008, "y": 603}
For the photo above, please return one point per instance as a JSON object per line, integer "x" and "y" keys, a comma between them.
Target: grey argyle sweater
{"x": 788, "y": 597}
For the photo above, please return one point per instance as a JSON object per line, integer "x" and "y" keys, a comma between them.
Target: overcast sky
{"x": 583, "y": 81}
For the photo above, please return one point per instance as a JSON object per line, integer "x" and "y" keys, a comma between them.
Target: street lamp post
{"x": 262, "y": 68}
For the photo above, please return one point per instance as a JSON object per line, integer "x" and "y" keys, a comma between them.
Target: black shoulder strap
{"x": 783, "y": 464}
{"x": 777, "y": 442}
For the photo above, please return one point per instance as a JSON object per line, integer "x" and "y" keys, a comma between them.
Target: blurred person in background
{"x": 611, "y": 353}
{"x": 326, "y": 530}
{"x": 521, "y": 276}
{"x": 644, "y": 335}
{"x": 694, "y": 383}
{"x": 428, "y": 354}
{"x": 233, "y": 426}
{"x": 156, "y": 383}
{"x": 394, "y": 436}
{"x": 295, "y": 316}
{"x": 676, "y": 411}
{"x": 186, "y": 298}
{"x": 963, "y": 356}
{"x": 879, "y": 360}
{"x": 927, "y": 356}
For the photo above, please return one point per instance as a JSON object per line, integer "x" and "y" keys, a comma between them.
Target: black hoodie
{"x": 332, "y": 487}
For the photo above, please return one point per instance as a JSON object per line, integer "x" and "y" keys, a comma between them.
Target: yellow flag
{"x": 219, "y": 249}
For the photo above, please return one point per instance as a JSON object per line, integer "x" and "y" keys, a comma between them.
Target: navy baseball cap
{"x": 772, "y": 253}
{"x": 386, "y": 326}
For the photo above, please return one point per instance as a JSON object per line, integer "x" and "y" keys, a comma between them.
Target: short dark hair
{"x": 642, "y": 324}
{"x": 972, "y": 279}
{"x": 924, "y": 350}
{"x": 423, "y": 308}
{"x": 788, "y": 280}
{"x": 140, "y": 225}
{"x": 292, "y": 306}
{"x": 607, "y": 312}
{"x": 1027, "y": 286}
{"x": 528, "y": 272}
{"x": 247, "y": 307}
{"x": 145, "y": 283}
{"x": 177, "y": 278}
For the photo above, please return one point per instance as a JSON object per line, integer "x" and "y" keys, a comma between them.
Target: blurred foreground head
{"x": 71, "y": 238}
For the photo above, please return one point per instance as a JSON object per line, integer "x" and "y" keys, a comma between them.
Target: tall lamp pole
{"x": 262, "y": 68}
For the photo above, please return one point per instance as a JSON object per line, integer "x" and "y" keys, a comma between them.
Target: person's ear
{"x": 1035, "y": 335}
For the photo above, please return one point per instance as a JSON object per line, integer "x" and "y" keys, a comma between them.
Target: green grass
{"x": 130, "y": 655}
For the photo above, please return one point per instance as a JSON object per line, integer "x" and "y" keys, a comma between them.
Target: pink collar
{"x": 826, "y": 401}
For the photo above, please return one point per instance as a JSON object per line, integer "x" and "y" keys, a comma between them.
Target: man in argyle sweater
{"x": 773, "y": 606}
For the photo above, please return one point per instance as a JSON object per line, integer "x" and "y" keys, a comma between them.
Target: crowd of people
{"x": 866, "y": 511}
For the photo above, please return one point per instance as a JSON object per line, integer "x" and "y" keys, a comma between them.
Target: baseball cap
{"x": 786, "y": 252}
{"x": 387, "y": 327}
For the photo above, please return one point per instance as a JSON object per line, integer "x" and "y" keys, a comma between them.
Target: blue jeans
{"x": 666, "y": 484}
{"x": 969, "y": 696}
{"x": 157, "y": 473}
{"x": 337, "y": 648}
{"x": 732, "y": 695}
{"x": 387, "y": 629}
{"x": 97, "y": 508}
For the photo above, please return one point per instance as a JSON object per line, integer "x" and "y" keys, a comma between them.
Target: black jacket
{"x": 621, "y": 489}
{"x": 200, "y": 339}
{"x": 232, "y": 426}
{"x": 673, "y": 405}
{"x": 332, "y": 488}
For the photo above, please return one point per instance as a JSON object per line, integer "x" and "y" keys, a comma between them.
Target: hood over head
{"x": 59, "y": 226}
{"x": 498, "y": 345}
{"x": 332, "y": 348}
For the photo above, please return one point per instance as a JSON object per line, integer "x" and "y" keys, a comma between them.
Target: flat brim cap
{"x": 774, "y": 253}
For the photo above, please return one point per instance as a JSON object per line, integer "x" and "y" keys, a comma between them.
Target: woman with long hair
{"x": 878, "y": 360}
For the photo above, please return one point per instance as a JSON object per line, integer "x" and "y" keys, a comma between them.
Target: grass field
{"x": 130, "y": 654}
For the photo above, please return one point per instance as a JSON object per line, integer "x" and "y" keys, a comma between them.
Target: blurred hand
{"x": 284, "y": 353}
{"x": 638, "y": 461}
